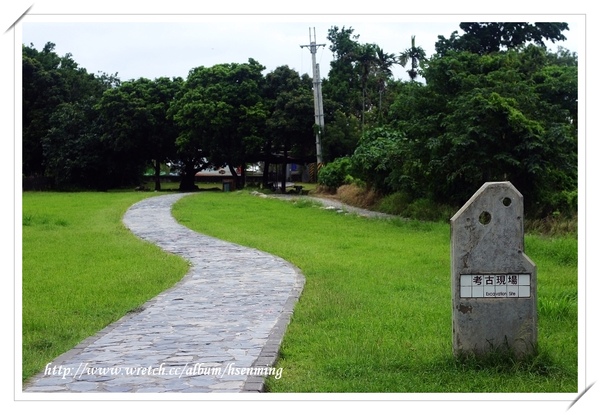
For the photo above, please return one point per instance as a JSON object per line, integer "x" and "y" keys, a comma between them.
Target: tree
{"x": 75, "y": 156}
{"x": 416, "y": 56}
{"x": 221, "y": 117}
{"x": 378, "y": 156}
{"x": 288, "y": 100}
{"x": 163, "y": 132}
{"x": 343, "y": 86}
{"x": 58, "y": 97}
{"x": 342, "y": 135}
{"x": 501, "y": 116}
{"x": 383, "y": 75}
{"x": 358, "y": 77}
{"x": 365, "y": 61}
{"x": 127, "y": 122}
{"x": 36, "y": 110}
{"x": 488, "y": 37}
{"x": 48, "y": 81}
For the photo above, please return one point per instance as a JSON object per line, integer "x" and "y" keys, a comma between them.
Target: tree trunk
{"x": 265, "y": 178}
{"x": 284, "y": 171}
{"x": 235, "y": 176}
{"x": 188, "y": 180}
{"x": 157, "y": 175}
{"x": 267, "y": 154}
{"x": 380, "y": 99}
{"x": 243, "y": 176}
{"x": 363, "y": 110}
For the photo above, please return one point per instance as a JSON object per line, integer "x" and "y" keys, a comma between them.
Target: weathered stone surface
{"x": 498, "y": 308}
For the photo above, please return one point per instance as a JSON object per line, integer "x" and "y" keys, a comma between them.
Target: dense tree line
{"x": 491, "y": 104}
{"x": 83, "y": 131}
{"x": 495, "y": 105}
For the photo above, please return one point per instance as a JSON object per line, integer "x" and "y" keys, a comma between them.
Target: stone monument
{"x": 494, "y": 284}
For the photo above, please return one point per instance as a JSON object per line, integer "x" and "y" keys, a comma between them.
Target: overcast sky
{"x": 155, "y": 46}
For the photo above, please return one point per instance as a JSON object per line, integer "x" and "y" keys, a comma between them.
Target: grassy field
{"x": 375, "y": 314}
{"x": 82, "y": 270}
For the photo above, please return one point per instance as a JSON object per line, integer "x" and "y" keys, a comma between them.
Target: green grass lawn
{"x": 375, "y": 313}
{"x": 374, "y": 316}
{"x": 82, "y": 270}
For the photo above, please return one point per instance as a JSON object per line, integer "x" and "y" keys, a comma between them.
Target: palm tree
{"x": 384, "y": 62}
{"x": 416, "y": 55}
{"x": 365, "y": 61}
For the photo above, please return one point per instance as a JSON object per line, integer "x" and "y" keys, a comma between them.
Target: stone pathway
{"x": 218, "y": 330}
{"x": 329, "y": 203}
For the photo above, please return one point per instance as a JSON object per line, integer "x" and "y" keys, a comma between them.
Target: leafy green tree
{"x": 288, "y": 99}
{"x": 136, "y": 126}
{"x": 341, "y": 135}
{"x": 76, "y": 158}
{"x": 126, "y": 125}
{"x": 343, "y": 85}
{"x": 500, "y": 116}
{"x": 49, "y": 80}
{"x": 378, "y": 158}
{"x": 58, "y": 97}
{"x": 37, "y": 107}
{"x": 220, "y": 116}
{"x": 488, "y": 37}
{"x": 163, "y": 132}
{"x": 358, "y": 78}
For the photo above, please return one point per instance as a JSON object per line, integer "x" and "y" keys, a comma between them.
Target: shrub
{"x": 426, "y": 209}
{"x": 335, "y": 174}
{"x": 565, "y": 203}
{"x": 395, "y": 204}
{"x": 379, "y": 156}
{"x": 401, "y": 204}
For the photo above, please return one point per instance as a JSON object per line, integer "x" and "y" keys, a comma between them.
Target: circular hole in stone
{"x": 506, "y": 201}
{"x": 485, "y": 217}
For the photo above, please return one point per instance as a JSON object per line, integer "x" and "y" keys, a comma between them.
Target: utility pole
{"x": 319, "y": 116}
